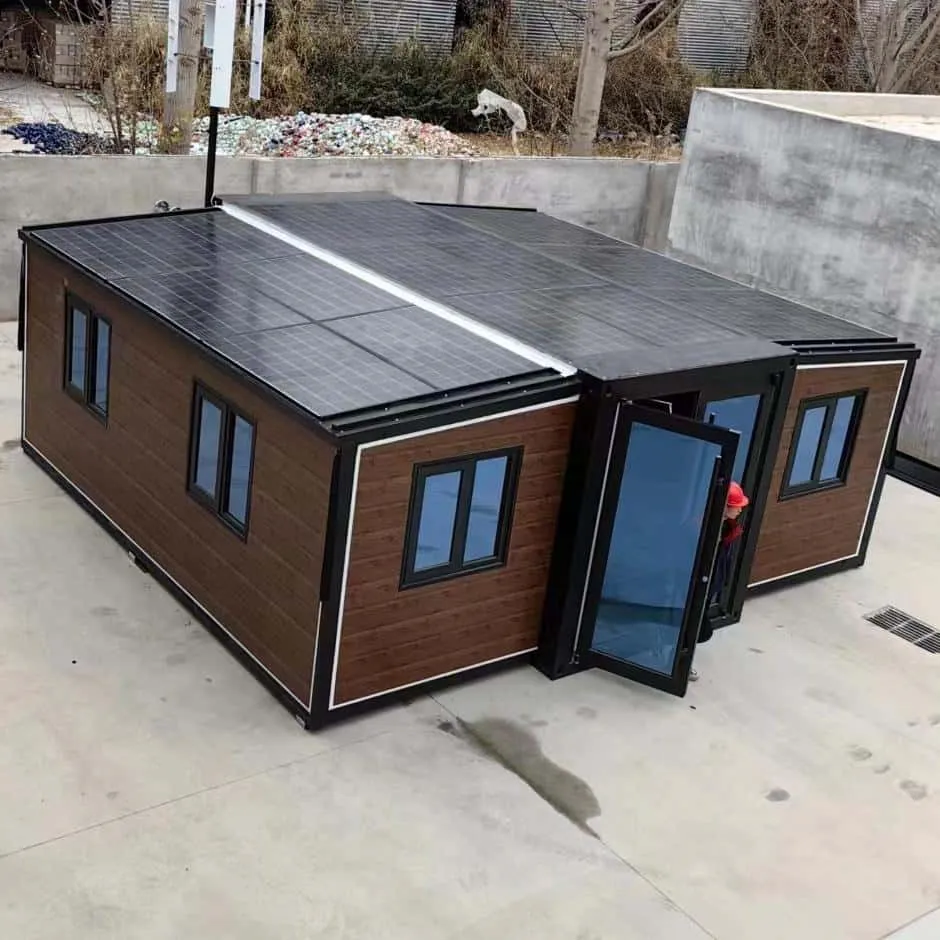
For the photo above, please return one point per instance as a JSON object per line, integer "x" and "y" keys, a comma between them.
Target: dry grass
{"x": 638, "y": 147}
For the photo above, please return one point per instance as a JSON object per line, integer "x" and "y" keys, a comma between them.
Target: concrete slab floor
{"x": 152, "y": 789}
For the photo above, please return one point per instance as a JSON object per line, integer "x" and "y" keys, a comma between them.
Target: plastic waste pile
{"x": 341, "y": 135}
{"x": 51, "y": 138}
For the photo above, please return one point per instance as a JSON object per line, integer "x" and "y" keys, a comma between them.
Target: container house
{"x": 376, "y": 445}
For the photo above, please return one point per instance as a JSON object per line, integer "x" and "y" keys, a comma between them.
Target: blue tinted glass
{"x": 736, "y": 414}
{"x": 207, "y": 452}
{"x": 807, "y": 446}
{"x": 102, "y": 352}
{"x": 653, "y": 549}
{"x": 438, "y": 515}
{"x": 78, "y": 349}
{"x": 837, "y": 438}
{"x": 485, "y": 504}
{"x": 237, "y": 502}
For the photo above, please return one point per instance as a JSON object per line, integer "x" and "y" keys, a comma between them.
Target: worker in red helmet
{"x": 731, "y": 531}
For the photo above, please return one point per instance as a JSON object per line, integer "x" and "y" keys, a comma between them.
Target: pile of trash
{"x": 296, "y": 135}
{"x": 48, "y": 137}
{"x": 330, "y": 135}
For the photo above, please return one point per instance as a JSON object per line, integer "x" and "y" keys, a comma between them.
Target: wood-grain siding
{"x": 392, "y": 638}
{"x": 264, "y": 590}
{"x": 805, "y": 531}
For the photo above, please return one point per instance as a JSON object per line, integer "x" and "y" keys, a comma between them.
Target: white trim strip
{"x": 405, "y": 294}
{"x": 316, "y": 647}
{"x": 167, "y": 575}
{"x": 443, "y": 675}
{"x": 597, "y": 526}
{"x": 852, "y": 365}
{"x": 884, "y": 448}
{"x": 471, "y": 421}
{"x": 352, "y": 512}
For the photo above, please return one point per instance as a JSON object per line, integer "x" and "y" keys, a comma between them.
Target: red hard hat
{"x": 737, "y": 498}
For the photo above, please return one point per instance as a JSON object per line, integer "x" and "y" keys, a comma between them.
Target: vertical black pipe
{"x": 210, "y": 159}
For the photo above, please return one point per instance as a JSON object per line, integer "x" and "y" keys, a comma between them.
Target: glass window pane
{"x": 438, "y": 516}
{"x": 207, "y": 448}
{"x": 736, "y": 414}
{"x": 654, "y": 546}
{"x": 837, "y": 438}
{"x": 485, "y": 505}
{"x": 102, "y": 354}
{"x": 807, "y": 446}
{"x": 242, "y": 436}
{"x": 78, "y": 349}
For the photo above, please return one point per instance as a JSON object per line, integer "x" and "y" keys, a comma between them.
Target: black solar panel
{"x": 443, "y": 354}
{"x": 164, "y": 244}
{"x": 323, "y": 372}
{"x": 523, "y": 227}
{"x": 380, "y": 221}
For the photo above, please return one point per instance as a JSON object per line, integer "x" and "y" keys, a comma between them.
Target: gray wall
{"x": 839, "y": 215}
{"x": 629, "y": 199}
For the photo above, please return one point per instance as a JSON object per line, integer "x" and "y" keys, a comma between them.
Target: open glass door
{"x": 656, "y": 541}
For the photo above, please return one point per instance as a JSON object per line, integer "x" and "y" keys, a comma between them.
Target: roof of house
{"x": 344, "y": 303}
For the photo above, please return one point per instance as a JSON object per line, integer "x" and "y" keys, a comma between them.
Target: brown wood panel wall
{"x": 392, "y": 638}
{"x": 805, "y": 531}
{"x": 264, "y": 590}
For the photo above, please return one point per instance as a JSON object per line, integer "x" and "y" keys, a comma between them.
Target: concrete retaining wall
{"x": 629, "y": 199}
{"x": 824, "y": 210}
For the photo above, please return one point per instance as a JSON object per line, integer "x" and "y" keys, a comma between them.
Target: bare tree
{"x": 181, "y": 104}
{"x": 608, "y": 37}
{"x": 899, "y": 40}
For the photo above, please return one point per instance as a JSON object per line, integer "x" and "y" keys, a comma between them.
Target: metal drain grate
{"x": 907, "y": 627}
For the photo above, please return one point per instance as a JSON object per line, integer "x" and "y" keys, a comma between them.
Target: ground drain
{"x": 907, "y": 627}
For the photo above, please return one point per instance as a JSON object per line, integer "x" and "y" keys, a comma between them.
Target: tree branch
{"x": 638, "y": 39}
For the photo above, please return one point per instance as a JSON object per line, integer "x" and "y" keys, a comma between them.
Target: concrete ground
{"x": 151, "y": 789}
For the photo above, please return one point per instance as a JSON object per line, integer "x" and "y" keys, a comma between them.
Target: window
{"x": 460, "y": 516}
{"x": 221, "y": 457}
{"x": 822, "y": 443}
{"x": 87, "y": 357}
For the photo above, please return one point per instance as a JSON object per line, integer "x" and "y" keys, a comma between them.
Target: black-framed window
{"x": 823, "y": 440}
{"x": 221, "y": 458}
{"x": 87, "y": 357}
{"x": 460, "y": 516}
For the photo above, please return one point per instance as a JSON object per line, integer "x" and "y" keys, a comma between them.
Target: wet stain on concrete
{"x": 777, "y": 795}
{"x": 934, "y": 720}
{"x": 10, "y": 445}
{"x": 913, "y": 724}
{"x": 859, "y": 753}
{"x": 755, "y": 649}
{"x": 915, "y": 790}
{"x": 104, "y": 611}
{"x": 881, "y": 769}
{"x": 585, "y": 711}
{"x": 175, "y": 659}
{"x": 534, "y": 722}
{"x": 112, "y": 794}
{"x": 518, "y": 750}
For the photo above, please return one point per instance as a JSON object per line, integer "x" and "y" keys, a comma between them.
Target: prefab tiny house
{"x": 376, "y": 445}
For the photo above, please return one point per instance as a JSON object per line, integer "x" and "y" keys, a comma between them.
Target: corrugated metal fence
{"x": 716, "y": 35}
{"x": 383, "y": 23}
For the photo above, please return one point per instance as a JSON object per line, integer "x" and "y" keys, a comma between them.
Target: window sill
{"x": 424, "y": 580}
{"x": 809, "y": 489}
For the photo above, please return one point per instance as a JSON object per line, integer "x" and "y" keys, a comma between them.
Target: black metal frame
{"x": 456, "y": 567}
{"x": 706, "y": 549}
{"x": 916, "y": 472}
{"x": 217, "y": 504}
{"x": 815, "y": 484}
{"x": 86, "y": 395}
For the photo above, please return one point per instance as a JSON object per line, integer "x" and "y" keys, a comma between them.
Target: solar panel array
{"x": 336, "y": 343}
{"x": 330, "y": 341}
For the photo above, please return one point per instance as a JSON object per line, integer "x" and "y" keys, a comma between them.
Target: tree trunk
{"x": 179, "y": 106}
{"x": 592, "y": 73}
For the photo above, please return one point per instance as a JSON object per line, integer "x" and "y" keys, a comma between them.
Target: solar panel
{"x": 441, "y": 353}
{"x": 320, "y": 370}
{"x": 378, "y": 221}
{"x": 164, "y": 244}
{"x": 523, "y": 227}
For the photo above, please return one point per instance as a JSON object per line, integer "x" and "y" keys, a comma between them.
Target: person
{"x": 731, "y": 531}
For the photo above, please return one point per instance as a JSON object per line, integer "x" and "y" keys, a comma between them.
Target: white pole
{"x": 257, "y": 49}
{"x": 223, "y": 52}
{"x": 172, "y": 44}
